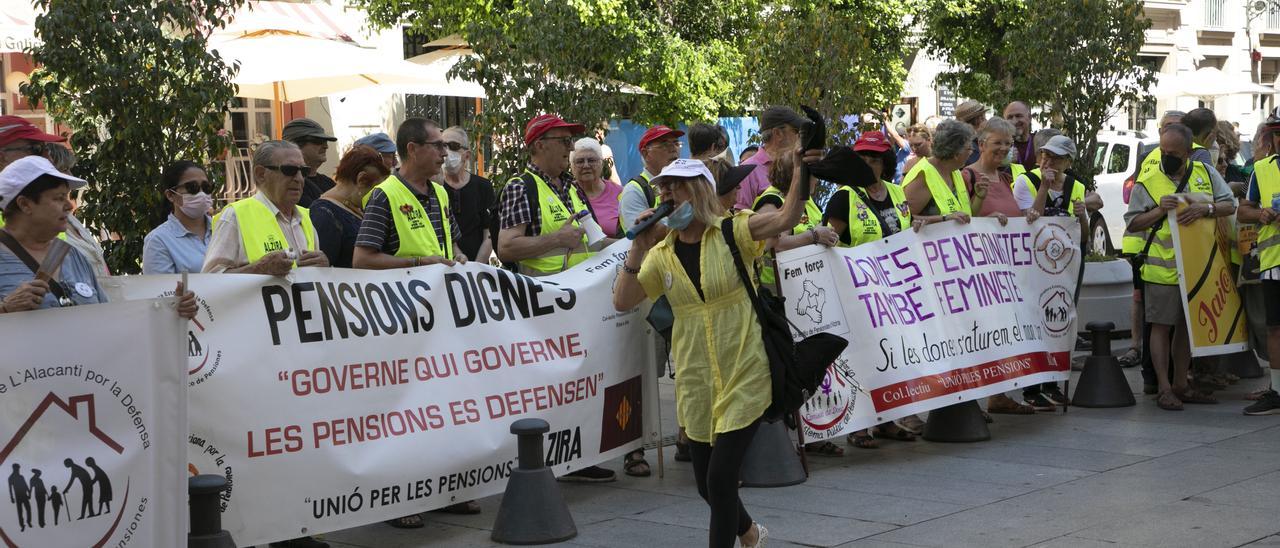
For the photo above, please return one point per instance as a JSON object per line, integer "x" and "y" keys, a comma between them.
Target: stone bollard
{"x": 533, "y": 511}
{"x": 1102, "y": 383}
{"x": 957, "y": 423}
{"x": 772, "y": 459}
{"x": 206, "y": 512}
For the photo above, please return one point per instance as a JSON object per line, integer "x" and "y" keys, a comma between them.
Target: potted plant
{"x": 1106, "y": 292}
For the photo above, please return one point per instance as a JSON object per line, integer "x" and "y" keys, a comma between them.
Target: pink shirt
{"x": 999, "y": 194}
{"x": 605, "y": 207}
{"x": 757, "y": 181}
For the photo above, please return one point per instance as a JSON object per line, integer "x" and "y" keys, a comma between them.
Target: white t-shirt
{"x": 1026, "y": 197}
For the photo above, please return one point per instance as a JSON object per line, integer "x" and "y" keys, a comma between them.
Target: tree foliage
{"x": 1076, "y": 59}
{"x": 136, "y": 85}
{"x": 840, "y": 57}
{"x": 696, "y": 59}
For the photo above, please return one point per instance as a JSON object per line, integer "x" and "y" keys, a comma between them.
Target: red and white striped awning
{"x": 315, "y": 20}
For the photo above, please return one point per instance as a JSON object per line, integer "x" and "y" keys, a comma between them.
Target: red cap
{"x": 538, "y": 126}
{"x": 657, "y": 132}
{"x": 873, "y": 141}
{"x": 13, "y": 128}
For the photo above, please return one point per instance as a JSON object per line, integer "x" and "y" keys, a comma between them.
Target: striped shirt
{"x": 378, "y": 230}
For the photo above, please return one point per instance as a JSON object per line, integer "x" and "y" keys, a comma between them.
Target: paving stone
{"x": 787, "y": 525}
{"x": 849, "y": 504}
{"x": 1189, "y": 524}
{"x": 1057, "y": 457}
{"x": 1259, "y": 492}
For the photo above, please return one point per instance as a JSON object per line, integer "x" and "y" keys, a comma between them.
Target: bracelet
{"x": 629, "y": 270}
{"x": 1213, "y": 210}
{"x": 417, "y": 261}
{"x": 814, "y": 232}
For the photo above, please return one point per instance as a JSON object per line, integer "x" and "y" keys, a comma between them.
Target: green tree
{"x": 572, "y": 57}
{"x": 136, "y": 85}
{"x": 840, "y": 57}
{"x": 1077, "y": 59}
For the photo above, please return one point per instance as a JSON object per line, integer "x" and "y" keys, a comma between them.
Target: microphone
{"x": 664, "y": 209}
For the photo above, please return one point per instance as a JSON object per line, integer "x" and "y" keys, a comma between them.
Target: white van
{"x": 1116, "y": 158}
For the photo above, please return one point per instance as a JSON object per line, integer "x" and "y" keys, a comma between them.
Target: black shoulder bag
{"x": 796, "y": 368}
{"x": 55, "y": 286}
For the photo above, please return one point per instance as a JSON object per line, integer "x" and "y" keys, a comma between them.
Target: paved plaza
{"x": 1116, "y": 478}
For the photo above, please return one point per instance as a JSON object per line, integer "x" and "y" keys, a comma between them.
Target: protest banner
{"x": 949, "y": 314}
{"x": 336, "y": 398}
{"x": 1211, "y": 302}
{"x": 94, "y": 425}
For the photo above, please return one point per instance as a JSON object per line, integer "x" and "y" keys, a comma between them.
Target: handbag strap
{"x": 1182, "y": 185}
{"x": 726, "y": 230}
{"x": 21, "y": 252}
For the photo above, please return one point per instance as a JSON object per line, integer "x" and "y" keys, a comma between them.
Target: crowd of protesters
{"x": 750, "y": 205}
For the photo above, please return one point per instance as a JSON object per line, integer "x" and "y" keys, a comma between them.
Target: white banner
{"x": 339, "y": 397}
{"x": 950, "y": 314}
{"x": 94, "y": 427}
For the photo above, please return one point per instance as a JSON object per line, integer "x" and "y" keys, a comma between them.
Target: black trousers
{"x": 716, "y": 469}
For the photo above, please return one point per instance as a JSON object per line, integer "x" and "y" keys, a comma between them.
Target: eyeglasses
{"x": 193, "y": 187}
{"x": 440, "y": 145}
{"x": 26, "y": 149}
{"x": 674, "y": 144}
{"x": 585, "y": 161}
{"x": 669, "y": 183}
{"x": 287, "y": 171}
{"x": 566, "y": 141}
{"x": 454, "y": 146}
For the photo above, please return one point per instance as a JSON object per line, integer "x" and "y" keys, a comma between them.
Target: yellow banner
{"x": 1210, "y": 300}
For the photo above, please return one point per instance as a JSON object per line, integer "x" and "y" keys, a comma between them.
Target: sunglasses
{"x": 669, "y": 183}
{"x": 28, "y": 149}
{"x": 454, "y": 146}
{"x": 193, "y": 188}
{"x": 439, "y": 145}
{"x": 287, "y": 171}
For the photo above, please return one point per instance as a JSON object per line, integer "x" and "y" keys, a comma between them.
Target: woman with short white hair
{"x": 587, "y": 165}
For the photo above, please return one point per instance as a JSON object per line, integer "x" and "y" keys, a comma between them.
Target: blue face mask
{"x": 681, "y": 217}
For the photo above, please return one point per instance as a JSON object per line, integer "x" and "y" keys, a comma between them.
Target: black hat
{"x": 778, "y": 116}
{"x": 843, "y": 167}
{"x": 732, "y": 178}
{"x": 305, "y": 128}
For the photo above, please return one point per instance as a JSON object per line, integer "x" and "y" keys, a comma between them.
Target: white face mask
{"x": 453, "y": 161}
{"x": 196, "y": 205}
{"x": 1213, "y": 154}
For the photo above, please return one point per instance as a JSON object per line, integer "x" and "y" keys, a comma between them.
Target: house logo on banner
{"x": 1053, "y": 249}
{"x": 72, "y": 494}
{"x": 1058, "y": 310}
{"x": 831, "y": 408}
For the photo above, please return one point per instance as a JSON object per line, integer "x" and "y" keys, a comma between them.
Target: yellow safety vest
{"x": 555, "y": 215}
{"x": 646, "y": 188}
{"x": 260, "y": 232}
{"x": 1132, "y": 242}
{"x": 1267, "y": 173}
{"x": 1077, "y": 191}
{"x": 948, "y": 202}
{"x": 811, "y": 218}
{"x": 1016, "y": 169}
{"x": 1161, "y": 266}
{"x": 864, "y": 225}
{"x": 413, "y": 227}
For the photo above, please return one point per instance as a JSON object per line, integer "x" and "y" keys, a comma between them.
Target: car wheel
{"x": 1100, "y": 237}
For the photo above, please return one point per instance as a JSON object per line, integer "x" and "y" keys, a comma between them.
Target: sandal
{"x": 1191, "y": 395}
{"x": 635, "y": 465}
{"x": 465, "y": 508}
{"x": 897, "y": 433}
{"x": 862, "y": 441}
{"x": 411, "y": 521}
{"x": 824, "y": 449}
{"x": 1168, "y": 401}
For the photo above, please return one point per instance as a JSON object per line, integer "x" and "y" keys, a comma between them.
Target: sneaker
{"x": 1005, "y": 405}
{"x": 590, "y": 474}
{"x": 1038, "y": 402}
{"x": 1268, "y": 404}
{"x": 1083, "y": 344}
{"x": 1131, "y": 358}
{"x": 1054, "y": 394}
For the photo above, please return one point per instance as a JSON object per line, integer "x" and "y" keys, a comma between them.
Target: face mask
{"x": 681, "y": 217}
{"x": 1213, "y": 154}
{"x": 452, "y": 161}
{"x": 196, "y": 205}
{"x": 1170, "y": 164}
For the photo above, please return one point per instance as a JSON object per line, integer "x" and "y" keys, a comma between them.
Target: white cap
{"x": 684, "y": 168}
{"x": 1060, "y": 145}
{"x": 24, "y": 171}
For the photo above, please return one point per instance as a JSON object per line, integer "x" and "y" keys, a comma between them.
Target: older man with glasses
{"x": 19, "y": 139}
{"x": 267, "y": 233}
{"x": 407, "y": 219}
{"x": 659, "y": 146}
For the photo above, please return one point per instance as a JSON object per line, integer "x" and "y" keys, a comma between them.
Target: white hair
{"x": 586, "y": 144}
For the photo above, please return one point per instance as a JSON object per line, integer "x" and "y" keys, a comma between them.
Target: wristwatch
{"x": 1212, "y": 210}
